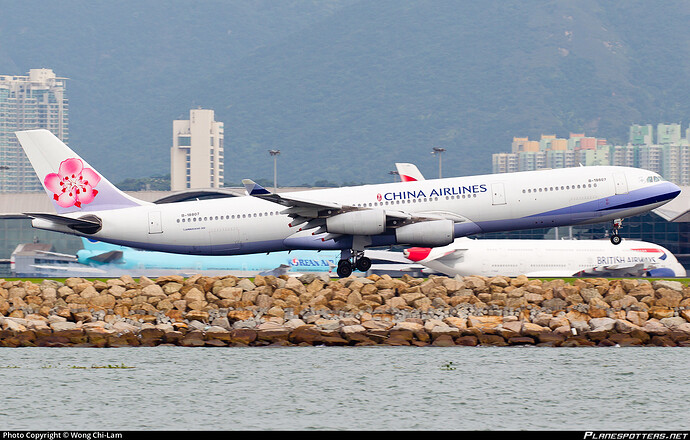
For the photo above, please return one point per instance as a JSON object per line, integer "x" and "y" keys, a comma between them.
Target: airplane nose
{"x": 667, "y": 192}
{"x": 416, "y": 253}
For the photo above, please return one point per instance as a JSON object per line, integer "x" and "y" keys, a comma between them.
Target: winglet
{"x": 254, "y": 189}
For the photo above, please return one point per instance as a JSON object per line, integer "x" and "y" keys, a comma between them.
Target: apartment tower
{"x": 37, "y": 100}
{"x": 196, "y": 157}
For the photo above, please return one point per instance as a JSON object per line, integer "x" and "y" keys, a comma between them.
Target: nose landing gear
{"x": 615, "y": 238}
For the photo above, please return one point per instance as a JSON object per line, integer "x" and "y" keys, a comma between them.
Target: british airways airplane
{"x": 427, "y": 213}
{"x": 548, "y": 258}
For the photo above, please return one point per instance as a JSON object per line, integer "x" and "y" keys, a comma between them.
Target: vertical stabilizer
{"x": 408, "y": 172}
{"x": 69, "y": 181}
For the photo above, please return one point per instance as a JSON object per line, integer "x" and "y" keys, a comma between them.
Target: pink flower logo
{"x": 73, "y": 185}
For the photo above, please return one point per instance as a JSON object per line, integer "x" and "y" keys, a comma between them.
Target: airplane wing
{"x": 615, "y": 270}
{"x": 56, "y": 254}
{"x": 393, "y": 267}
{"x": 70, "y": 269}
{"x": 396, "y": 257}
{"x": 314, "y": 213}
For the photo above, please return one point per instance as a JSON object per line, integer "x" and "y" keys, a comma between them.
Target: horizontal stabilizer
{"x": 107, "y": 257}
{"x": 89, "y": 225}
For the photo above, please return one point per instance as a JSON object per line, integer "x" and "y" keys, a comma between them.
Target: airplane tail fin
{"x": 408, "y": 172}
{"x": 69, "y": 181}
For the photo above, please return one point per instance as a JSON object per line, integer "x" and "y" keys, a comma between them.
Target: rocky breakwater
{"x": 316, "y": 310}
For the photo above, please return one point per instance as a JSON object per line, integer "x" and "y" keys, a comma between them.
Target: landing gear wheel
{"x": 344, "y": 268}
{"x": 616, "y": 239}
{"x": 363, "y": 264}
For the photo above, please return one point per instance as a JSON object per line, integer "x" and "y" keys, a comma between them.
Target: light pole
{"x": 439, "y": 151}
{"x": 275, "y": 154}
{"x": 394, "y": 173}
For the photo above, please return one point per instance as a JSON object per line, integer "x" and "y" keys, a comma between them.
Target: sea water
{"x": 345, "y": 388}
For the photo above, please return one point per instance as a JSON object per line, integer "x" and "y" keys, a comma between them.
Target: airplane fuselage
{"x": 549, "y": 258}
{"x": 477, "y": 204}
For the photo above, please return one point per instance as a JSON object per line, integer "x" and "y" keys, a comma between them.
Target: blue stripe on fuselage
{"x": 637, "y": 198}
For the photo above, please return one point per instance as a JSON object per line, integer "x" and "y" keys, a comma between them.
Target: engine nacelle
{"x": 660, "y": 272}
{"x": 429, "y": 234}
{"x": 367, "y": 222}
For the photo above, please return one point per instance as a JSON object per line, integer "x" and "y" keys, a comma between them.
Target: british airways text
{"x": 618, "y": 260}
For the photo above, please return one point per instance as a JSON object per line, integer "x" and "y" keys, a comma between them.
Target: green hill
{"x": 346, "y": 88}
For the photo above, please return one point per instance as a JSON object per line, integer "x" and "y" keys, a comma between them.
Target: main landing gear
{"x": 357, "y": 261}
{"x": 615, "y": 238}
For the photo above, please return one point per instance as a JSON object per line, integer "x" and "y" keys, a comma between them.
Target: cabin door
{"x": 498, "y": 195}
{"x": 621, "y": 183}
{"x": 155, "y": 224}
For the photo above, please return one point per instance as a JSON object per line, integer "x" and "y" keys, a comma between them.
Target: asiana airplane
{"x": 427, "y": 213}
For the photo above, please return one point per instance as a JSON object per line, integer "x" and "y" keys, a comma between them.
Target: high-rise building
{"x": 668, "y": 134}
{"x": 505, "y": 162}
{"x": 37, "y": 100}
{"x": 196, "y": 157}
{"x": 641, "y": 134}
{"x": 670, "y": 156}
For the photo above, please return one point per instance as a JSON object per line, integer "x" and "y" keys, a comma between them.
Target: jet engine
{"x": 660, "y": 272}
{"x": 367, "y": 222}
{"x": 428, "y": 234}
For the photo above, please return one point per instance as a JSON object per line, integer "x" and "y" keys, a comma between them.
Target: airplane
{"x": 428, "y": 213}
{"x": 548, "y": 258}
{"x": 116, "y": 260}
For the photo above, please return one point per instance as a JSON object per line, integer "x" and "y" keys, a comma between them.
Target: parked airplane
{"x": 117, "y": 260}
{"x": 548, "y": 258}
{"x": 428, "y": 213}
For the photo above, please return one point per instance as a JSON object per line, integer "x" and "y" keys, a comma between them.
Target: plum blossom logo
{"x": 73, "y": 185}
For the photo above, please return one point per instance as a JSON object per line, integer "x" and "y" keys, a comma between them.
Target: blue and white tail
{"x": 73, "y": 186}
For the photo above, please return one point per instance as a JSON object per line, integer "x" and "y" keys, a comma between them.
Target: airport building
{"x": 196, "y": 157}
{"x": 669, "y": 155}
{"x": 37, "y": 100}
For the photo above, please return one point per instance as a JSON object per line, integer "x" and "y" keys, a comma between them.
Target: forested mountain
{"x": 345, "y": 88}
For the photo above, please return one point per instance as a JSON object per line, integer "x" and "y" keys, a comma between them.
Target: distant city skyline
{"x": 669, "y": 156}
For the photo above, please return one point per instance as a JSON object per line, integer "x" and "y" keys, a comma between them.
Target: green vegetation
{"x": 345, "y": 88}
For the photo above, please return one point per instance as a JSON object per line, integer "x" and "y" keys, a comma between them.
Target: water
{"x": 345, "y": 388}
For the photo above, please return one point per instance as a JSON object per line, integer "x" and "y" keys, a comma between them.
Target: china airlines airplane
{"x": 548, "y": 258}
{"x": 427, "y": 213}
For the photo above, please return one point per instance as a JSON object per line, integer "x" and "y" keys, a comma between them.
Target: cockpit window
{"x": 651, "y": 179}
